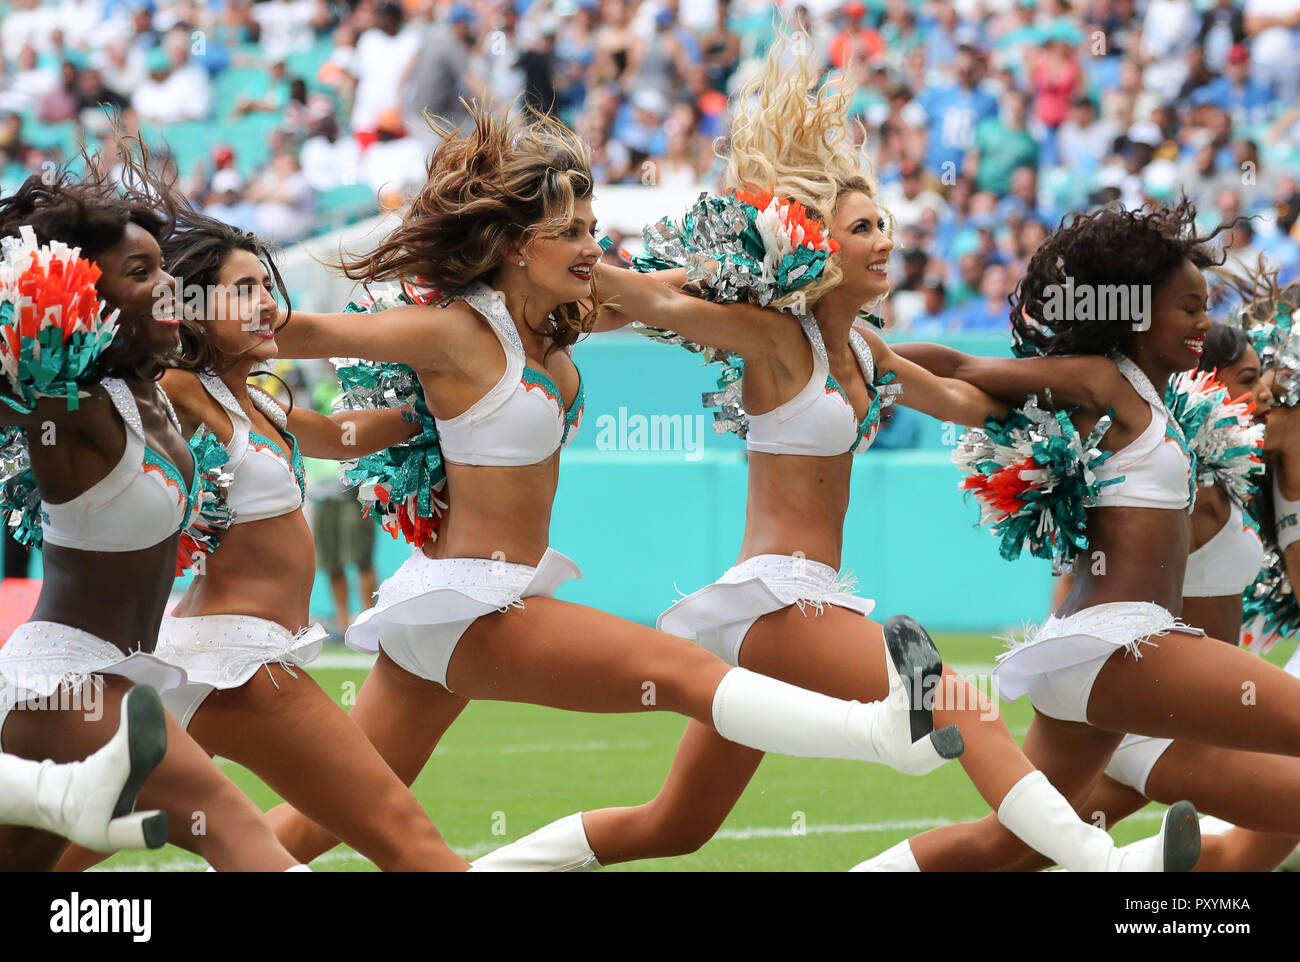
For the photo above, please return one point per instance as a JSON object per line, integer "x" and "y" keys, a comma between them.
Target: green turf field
{"x": 504, "y": 770}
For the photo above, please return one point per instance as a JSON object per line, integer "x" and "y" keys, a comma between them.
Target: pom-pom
{"x": 210, "y": 515}
{"x": 402, "y": 488}
{"x": 20, "y": 502}
{"x": 1219, "y": 431}
{"x": 53, "y": 326}
{"x": 742, "y": 247}
{"x": 1269, "y": 610}
{"x": 1033, "y": 475}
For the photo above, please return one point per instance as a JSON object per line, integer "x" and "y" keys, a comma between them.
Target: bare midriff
{"x": 796, "y": 506}
{"x": 263, "y": 569}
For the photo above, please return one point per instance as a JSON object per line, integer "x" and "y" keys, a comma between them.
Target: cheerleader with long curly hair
{"x": 812, "y": 386}
{"x": 116, "y": 485}
{"x": 504, "y": 230}
{"x": 1115, "y": 657}
{"x": 1236, "y": 786}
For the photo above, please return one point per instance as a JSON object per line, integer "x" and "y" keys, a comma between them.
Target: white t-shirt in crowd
{"x": 327, "y": 166}
{"x": 286, "y": 26}
{"x": 378, "y": 65}
{"x": 1276, "y": 45}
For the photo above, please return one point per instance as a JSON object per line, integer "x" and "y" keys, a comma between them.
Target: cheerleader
{"x": 505, "y": 228}
{"x": 90, "y": 802}
{"x": 1115, "y": 657}
{"x": 114, "y": 484}
{"x": 242, "y": 628}
{"x": 1232, "y": 785}
{"x": 813, "y": 387}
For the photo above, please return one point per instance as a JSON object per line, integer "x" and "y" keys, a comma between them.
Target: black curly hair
{"x": 195, "y": 253}
{"x": 92, "y": 212}
{"x": 1108, "y": 246}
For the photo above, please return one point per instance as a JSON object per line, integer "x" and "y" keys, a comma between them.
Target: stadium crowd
{"x": 987, "y": 119}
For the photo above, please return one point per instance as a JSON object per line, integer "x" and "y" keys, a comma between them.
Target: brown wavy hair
{"x": 195, "y": 253}
{"x": 504, "y": 181}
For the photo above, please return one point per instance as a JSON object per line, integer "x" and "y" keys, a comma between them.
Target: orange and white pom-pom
{"x": 53, "y": 324}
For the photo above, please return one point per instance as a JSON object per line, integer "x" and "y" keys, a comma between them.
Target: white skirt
{"x": 220, "y": 652}
{"x": 719, "y": 615}
{"x": 42, "y": 657}
{"x": 1057, "y": 662}
{"x": 422, "y": 611}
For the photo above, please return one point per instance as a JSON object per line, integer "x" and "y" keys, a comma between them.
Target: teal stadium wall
{"x": 643, "y": 524}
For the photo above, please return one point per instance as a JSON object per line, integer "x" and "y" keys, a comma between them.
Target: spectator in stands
{"x": 439, "y": 76}
{"x": 953, "y": 113}
{"x": 61, "y": 103}
{"x": 94, "y": 95}
{"x": 330, "y": 160}
{"x": 618, "y": 49}
{"x": 1002, "y": 144}
{"x": 383, "y": 54}
{"x": 1235, "y": 92}
{"x": 393, "y": 162}
{"x": 855, "y": 40}
{"x": 537, "y": 64}
{"x": 1274, "y": 29}
{"x": 225, "y": 201}
{"x": 720, "y": 49}
{"x": 933, "y": 318}
{"x": 908, "y": 196}
{"x": 175, "y": 90}
{"x": 989, "y": 313}
{"x": 1084, "y": 140}
{"x": 1222, "y": 28}
{"x": 1168, "y": 36}
{"x": 285, "y": 201}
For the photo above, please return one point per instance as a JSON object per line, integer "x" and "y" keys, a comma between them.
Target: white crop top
{"x": 820, "y": 419}
{"x": 142, "y": 502}
{"x": 1226, "y": 564}
{"x": 267, "y": 482}
{"x": 522, "y": 420}
{"x": 1154, "y": 469}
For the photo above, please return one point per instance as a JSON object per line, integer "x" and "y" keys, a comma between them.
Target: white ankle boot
{"x": 90, "y": 802}
{"x": 1038, "y": 815}
{"x": 896, "y": 859}
{"x": 559, "y": 847}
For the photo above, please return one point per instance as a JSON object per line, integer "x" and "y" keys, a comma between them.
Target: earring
{"x": 521, "y": 263}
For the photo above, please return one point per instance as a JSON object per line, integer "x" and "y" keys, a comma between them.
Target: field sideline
{"x": 504, "y": 770}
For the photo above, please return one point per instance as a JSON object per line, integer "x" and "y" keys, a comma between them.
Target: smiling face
{"x": 860, "y": 229}
{"x": 241, "y": 309}
{"x": 134, "y": 281}
{"x": 561, "y": 265}
{"x": 1178, "y": 321}
{"x": 1245, "y": 377}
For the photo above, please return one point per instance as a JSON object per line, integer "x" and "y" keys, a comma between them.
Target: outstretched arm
{"x": 416, "y": 336}
{"x": 1088, "y": 381}
{"x": 348, "y": 434}
{"x": 613, "y": 318}
{"x": 945, "y": 398}
{"x": 740, "y": 328}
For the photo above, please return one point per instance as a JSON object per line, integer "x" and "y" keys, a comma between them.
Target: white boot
{"x": 772, "y": 716}
{"x": 298, "y": 868}
{"x": 1038, "y": 815}
{"x": 90, "y": 802}
{"x": 897, "y": 859}
{"x": 559, "y": 847}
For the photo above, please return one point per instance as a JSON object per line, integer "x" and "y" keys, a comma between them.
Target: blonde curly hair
{"x": 789, "y": 137}
{"x": 507, "y": 180}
